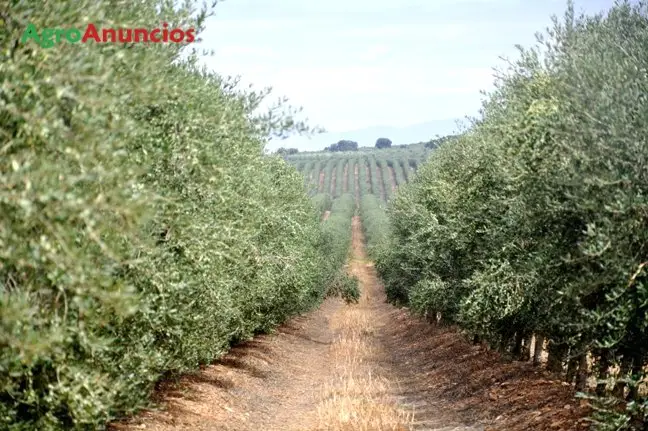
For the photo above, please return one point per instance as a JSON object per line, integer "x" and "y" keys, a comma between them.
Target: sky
{"x": 367, "y": 64}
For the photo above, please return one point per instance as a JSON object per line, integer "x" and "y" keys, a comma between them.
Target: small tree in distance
{"x": 383, "y": 143}
{"x": 343, "y": 145}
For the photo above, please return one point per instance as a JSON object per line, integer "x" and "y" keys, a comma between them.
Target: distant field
{"x": 379, "y": 172}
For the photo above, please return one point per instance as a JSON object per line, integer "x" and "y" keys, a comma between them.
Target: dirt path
{"x": 321, "y": 181}
{"x": 326, "y": 215}
{"x": 333, "y": 180}
{"x": 367, "y": 366}
{"x": 345, "y": 183}
{"x": 392, "y": 178}
{"x": 356, "y": 179}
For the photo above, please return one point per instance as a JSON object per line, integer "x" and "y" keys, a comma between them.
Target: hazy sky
{"x": 359, "y": 63}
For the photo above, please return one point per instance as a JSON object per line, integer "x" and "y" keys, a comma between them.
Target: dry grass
{"x": 357, "y": 397}
{"x": 322, "y": 175}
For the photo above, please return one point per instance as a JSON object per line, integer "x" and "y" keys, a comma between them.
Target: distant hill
{"x": 366, "y": 137}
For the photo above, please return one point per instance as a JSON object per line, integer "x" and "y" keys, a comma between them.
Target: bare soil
{"x": 321, "y": 181}
{"x": 345, "y": 183}
{"x": 365, "y": 366}
{"x": 356, "y": 173}
{"x": 392, "y": 178}
{"x": 326, "y": 215}
{"x": 333, "y": 181}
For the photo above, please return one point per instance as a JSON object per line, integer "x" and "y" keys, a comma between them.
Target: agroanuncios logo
{"x": 49, "y": 37}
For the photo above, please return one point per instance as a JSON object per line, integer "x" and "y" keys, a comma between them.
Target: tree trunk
{"x": 517, "y": 345}
{"x": 637, "y": 364}
{"x": 525, "y": 352}
{"x": 537, "y": 351}
{"x": 431, "y": 318}
{"x": 507, "y": 341}
{"x": 582, "y": 374}
{"x": 502, "y": 345}
{"x": 619, "y": 387}
{"x": 572, "y": 366}
{"x": 603, "y": 366}
{"x": 557, "y": 353}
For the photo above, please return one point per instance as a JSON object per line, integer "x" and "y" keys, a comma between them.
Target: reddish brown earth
{"x": 345, "y": 184}
{"x": 366, "y": 366}
{"x": 326, "y": 215}
{"x": 321, "y": 181}
{"x": 356, "y": 173}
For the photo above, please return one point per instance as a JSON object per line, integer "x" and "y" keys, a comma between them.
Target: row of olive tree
{"x": 375, "y": 224}
{"x": 337, "y": 244}
{"x": 534, "y": 224}
{"x": 142, "y": 230}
